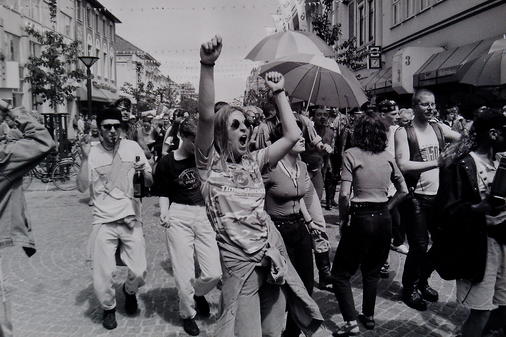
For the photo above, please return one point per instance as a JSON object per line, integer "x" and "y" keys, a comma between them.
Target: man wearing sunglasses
{"x": 107, "y": 168}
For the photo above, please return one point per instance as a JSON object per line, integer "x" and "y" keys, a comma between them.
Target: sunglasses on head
{"x": 109, "y": 127}
{"x": 236, "y": 124}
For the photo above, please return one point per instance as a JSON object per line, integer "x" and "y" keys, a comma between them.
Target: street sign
{"x": 374, "y": 51}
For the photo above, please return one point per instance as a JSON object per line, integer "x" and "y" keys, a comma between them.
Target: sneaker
{"x": 385, "y": 271}
{"x": 367, "y": 321}
{"x": 202, "y": 306}
{"x": 109, "y": 319}
{"x": 413, "y": 299}
{"x": 191, "y": 327}
{"x": 402, "y": 249}
{"x": 131, "y": 306}
{"x": 348, "y": 329}
{"x": 428, "y": 293}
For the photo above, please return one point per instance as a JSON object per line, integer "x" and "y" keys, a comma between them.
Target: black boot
{"x": 323, "y": 265}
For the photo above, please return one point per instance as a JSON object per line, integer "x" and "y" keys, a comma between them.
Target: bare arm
{"x": 402, "y": 156}
{"x": 344, "y": 202}
{"x": 291, "y": 132}
{"x": 209, "y": 53}
{"x": 449, "y": 134}
{"x": 164, "y": 211}
{"x": 83, "y": 179}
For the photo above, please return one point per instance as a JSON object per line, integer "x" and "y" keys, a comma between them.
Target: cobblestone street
{"x": 52, "y": 295}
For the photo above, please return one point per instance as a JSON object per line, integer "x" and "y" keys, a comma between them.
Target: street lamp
{"x": 88, "y": 62}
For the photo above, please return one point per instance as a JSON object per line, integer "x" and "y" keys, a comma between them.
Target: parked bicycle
{"x": 61, "y": 169}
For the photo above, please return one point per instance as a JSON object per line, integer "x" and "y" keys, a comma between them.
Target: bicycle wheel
{"x": 27, "y": 180}
{"x": 65, "y": 174}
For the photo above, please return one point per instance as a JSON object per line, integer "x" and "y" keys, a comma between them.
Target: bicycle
{"x": 61, "y": 170}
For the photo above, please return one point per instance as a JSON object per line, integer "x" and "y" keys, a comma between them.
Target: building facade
{"x": 135, "y": 66}
{"x": 86, "y": 21}
{"x": 424, "y": 43}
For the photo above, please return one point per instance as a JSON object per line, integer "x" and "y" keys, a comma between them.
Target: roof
{"x": 122, "y": 46}
{"x": 107, "y": 14}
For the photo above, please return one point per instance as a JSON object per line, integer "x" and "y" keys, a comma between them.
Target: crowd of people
{"x": 242, "y": 190}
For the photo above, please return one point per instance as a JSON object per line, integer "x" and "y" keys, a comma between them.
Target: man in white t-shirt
{"x": 417, "y": 150}
{"x": 107, "y": 168}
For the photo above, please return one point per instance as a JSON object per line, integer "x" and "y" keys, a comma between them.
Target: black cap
{"x": 109, "y": 112}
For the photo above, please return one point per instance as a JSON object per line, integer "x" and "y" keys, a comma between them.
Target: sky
{"x": 172, "y": 31}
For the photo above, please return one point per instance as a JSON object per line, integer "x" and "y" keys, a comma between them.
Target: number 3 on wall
{"x": 407, "y": 60}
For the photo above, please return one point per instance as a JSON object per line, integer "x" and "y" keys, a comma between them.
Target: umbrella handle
{"x": 312, "y": 88}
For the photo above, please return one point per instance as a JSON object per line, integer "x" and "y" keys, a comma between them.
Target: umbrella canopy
{"x": 286, "y": 43}
{"x": 486, "y": 70}
{"x": 319, "y": 80}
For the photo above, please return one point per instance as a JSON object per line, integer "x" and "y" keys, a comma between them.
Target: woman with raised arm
{"x": 256, "y": 267}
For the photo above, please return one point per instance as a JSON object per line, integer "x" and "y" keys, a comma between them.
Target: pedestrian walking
{"x": 107, "y": 169}
{"x": 188, "y": 231}
{"x": 417, "y": 151}
{"x": 367, "y": 170}
{"x": 17, "y": 157}
{"x": 257, "y": 272}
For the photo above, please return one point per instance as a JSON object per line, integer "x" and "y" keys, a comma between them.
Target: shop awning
{"x": 97, "y": 95}
{"x": 379, "y": 82}
{"x": 443, "y": 67}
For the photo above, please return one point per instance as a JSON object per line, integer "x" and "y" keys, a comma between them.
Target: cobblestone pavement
{"x": 52, "y": 295}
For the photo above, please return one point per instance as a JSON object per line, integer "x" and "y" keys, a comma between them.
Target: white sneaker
{"x": 403, "y": 249}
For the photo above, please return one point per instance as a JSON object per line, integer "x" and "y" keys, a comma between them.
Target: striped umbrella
{"x": 286, "y": 43}
{"x": 318, "y": 80}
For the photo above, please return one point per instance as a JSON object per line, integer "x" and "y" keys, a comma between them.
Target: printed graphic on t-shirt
{"x": 111, "y": 184}
{"x": 189, "y": 179}
{"x": 430, "y": 152}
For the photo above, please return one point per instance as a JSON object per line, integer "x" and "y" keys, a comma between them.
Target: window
{"x": 96, "y": 22}
{"x": 65, "y": 24}
{"x": 88, "y": 16}
{"x": 424, "y": 4}
{"x": 351, "y": 19}
{"x": 111, "y": 31}
{"x": 79, "y": 10}
{"x": 104, "y": 65}
{"x": 370, "y": 18}
{"x": 396, "y": 12}
{"x": 111, "y": 68}
{"x": 409, "y": 8}
{"x": 12, "y": 50}
{"x": 104, "y": 31}
{"x": 361, "y": 24}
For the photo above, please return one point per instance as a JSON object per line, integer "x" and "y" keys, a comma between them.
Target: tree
{"x": 189, "y": 104}
{"x": 53, "y": 75}
{"x": 347, "y": 52}
{"x": 145, "y": 94}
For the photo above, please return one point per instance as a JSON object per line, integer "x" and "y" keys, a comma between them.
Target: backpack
{"x": 414, "y": 151}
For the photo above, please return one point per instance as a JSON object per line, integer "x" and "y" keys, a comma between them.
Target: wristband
{"x": 207, "y": 64}
{"x": 278, "y": 91}
{"x": 308, "y": 222}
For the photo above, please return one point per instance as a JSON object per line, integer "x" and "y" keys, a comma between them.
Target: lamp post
{"x": 88, "y": 62}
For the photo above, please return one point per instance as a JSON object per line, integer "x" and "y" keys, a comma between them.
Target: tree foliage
{"x": 347, "y": 52}
{"x": 53, "y": 75}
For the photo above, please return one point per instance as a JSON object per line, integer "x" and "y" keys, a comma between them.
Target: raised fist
{"x": 274, "y": 80}
{"x": 211, "y": 50}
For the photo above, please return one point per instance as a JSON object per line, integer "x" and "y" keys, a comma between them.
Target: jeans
{"x": 132, "y": 252}
{"x": 190, "y": 234}
{"x": 418, "y": 266}
{"x": 365, "y": 243}
{"x": 298, "y": 244}
{"x": 398, "y": 231}
{"x": 261, "y": 307}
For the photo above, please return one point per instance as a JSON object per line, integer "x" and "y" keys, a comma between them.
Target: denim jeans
{"x": 298, "y": 244}
{"x": 365, "y": 243}
{"x": 261, "y": 307}
{"x": 418, "y": 266}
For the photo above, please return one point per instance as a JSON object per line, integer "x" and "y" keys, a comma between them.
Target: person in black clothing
{"x": 189, "y": 232}
{"x": 470, "y": 237}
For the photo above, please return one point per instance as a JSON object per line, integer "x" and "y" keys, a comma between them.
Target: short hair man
{"x": 108, "y": 168}
{"x": 417, "y": 150}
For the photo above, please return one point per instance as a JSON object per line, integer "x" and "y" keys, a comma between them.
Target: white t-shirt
{"x": 428, "y": 183}
{"x": 111, "y": 181}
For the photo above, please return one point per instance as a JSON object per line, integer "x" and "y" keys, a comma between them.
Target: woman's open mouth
{"x": 243, "y": 140}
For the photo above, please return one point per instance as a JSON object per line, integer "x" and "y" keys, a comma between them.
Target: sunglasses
{"x": 236, "y": 124}
{"x": 109, "y": 127}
